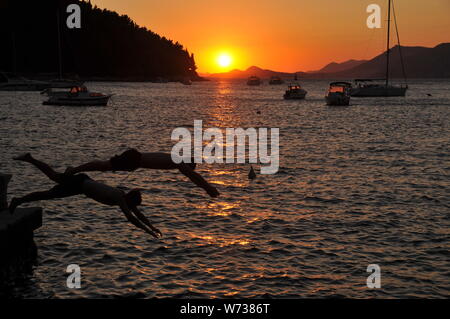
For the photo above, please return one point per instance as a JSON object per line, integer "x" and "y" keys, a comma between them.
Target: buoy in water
{"x": 252, "y": 174}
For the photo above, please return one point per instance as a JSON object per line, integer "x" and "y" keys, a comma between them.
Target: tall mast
{"x": 14, "y": 59}
{"x": 399, "y": 45}
{"x": 388, "y": 37}
{"x": 59, "y": 45}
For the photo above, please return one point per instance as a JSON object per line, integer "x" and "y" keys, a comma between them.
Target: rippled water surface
{"x": 358, "y": 185}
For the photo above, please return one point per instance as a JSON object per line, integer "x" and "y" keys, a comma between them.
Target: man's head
{"x": 127, "y": 161}
{"x": 133, "y": 198}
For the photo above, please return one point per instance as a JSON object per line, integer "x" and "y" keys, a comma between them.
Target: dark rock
{"x": 4, "y": 180}
{"x": 17, "y": 248}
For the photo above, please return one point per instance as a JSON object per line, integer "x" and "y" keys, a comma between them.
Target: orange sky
{"x": 284, "y": 35}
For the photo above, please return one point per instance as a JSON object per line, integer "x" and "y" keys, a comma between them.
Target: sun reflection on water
{"x": 221, "y": 241}
{"x": 219, "y": 208}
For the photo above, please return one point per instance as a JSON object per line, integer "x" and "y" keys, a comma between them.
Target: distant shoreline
{"x": 203, "y": 78}
{"x": 420, "y": 62}
{"x": 157, "y": 79}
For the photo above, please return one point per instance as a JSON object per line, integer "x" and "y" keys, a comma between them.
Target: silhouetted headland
{"x": 108, "y": 47}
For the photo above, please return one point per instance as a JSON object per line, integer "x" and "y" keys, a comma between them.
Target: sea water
{"x": 358, "y": 185}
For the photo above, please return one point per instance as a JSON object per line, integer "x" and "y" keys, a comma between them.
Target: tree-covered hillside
{"x": 108, "y": 45}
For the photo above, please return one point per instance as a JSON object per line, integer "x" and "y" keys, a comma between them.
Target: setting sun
{"x": 224, "y": 60}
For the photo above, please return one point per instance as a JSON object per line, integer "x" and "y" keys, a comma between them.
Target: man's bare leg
{"x": 198, "y": 180}
{"x": 43, "y": 167}
{"x": 95, "y": 166}
{"x": 33, "y": 197}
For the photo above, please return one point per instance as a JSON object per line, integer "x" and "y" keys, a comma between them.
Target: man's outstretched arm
{"x": 136, "y": 222}
{"x": 198, "y": 180}
{"x": 145, "y": 220}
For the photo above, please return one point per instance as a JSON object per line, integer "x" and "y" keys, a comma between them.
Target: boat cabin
{"x": 78, "y": 89}
{"x": 340, "y": 87}
{"x": 369, "y": 82}
{"x": 294, "y": 87}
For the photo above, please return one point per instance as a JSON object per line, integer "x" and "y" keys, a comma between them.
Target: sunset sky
{"x": 283, "y": 35}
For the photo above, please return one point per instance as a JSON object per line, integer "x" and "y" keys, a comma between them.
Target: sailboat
{"x": 14, "y": 82}
{"x": 61, "y": 82}
{"x": 78, "y": 95}
{"x": 373, "y": 87}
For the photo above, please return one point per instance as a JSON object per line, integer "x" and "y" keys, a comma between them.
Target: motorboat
{"x": 276, "y": 80}
{"x": 77, "y": 96}
{"x": 254, "y": 81}
{"x": 339, "y": 94}
{"x": 295, "y": 92}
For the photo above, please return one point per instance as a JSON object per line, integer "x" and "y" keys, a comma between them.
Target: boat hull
{"x": 276, "y": 82}
{"x": 337, "y": 100}
{"x": 378, "y": 91}
{"x": 254, "y": 81}
{"x": 94, "y": 101}
{"x": 23, "y": 87}
{"x": 295, "y": 96}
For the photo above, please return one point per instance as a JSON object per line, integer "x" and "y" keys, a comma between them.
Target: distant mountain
{"x": 251, "y": 71}
{"x": 338, "y": 67}
{"x": 419, "y": 62}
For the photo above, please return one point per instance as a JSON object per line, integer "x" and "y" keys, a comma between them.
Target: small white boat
{"x": 77, "y": 96}
{"x": 276, "y": 80}
{"x": 339, "y": 94}
{"x": 295, "y": 92}
{"x": 254, "y": 81}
